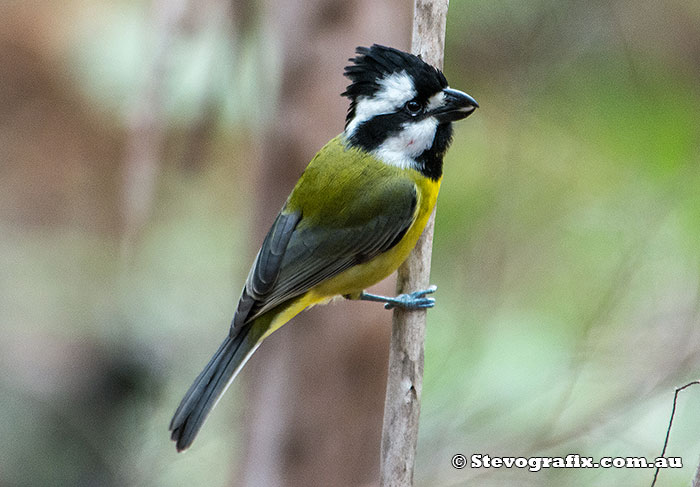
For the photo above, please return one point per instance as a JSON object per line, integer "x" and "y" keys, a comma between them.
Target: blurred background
{"x": 145, "y": 147}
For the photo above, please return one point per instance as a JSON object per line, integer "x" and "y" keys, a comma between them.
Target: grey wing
{"x": 297, "y": 255}
{"x": 266, "y": 268}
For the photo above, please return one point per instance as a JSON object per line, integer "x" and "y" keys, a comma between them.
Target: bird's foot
{"x": 409, "y": 301}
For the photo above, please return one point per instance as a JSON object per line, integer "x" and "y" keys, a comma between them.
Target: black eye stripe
{"x": 371, "y": 133}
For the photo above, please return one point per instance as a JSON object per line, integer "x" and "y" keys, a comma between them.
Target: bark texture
{"x": 405, "y": 379}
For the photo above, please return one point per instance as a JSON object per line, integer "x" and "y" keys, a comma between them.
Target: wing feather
{"x": 298, "y": 253}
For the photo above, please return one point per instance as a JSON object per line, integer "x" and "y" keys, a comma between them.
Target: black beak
{"x": 456, "y": 106}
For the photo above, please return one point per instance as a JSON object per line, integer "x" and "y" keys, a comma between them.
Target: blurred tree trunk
{"x": 317, "y": 385}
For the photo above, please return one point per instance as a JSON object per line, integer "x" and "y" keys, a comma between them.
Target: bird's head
{"x": 401, "y": 109}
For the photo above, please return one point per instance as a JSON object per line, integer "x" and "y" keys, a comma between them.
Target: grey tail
{"x": 209, "y": 386}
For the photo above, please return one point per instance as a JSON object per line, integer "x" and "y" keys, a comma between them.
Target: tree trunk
{"x": 406, "y": 354}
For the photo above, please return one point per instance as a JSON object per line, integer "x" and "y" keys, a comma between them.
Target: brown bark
{"x": 405, "y": 379}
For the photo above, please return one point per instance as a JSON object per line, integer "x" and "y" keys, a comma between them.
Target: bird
{"x": 351, "y": 220}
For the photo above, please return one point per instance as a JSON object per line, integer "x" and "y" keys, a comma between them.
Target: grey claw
{"x": 431, "y": 289}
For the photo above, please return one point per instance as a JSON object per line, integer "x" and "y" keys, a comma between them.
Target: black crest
{"x": 377, "y": 62}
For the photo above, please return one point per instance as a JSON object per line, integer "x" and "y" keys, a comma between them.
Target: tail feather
{"x": 210, "y": 385}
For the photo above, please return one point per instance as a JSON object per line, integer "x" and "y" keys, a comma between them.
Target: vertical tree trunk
{"x": 316, "y": 385}
{"x": 405, "y": 379}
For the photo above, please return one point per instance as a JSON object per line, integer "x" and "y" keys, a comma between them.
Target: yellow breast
{"x": 371, "y": 272}
{"x": 359, "y": 277}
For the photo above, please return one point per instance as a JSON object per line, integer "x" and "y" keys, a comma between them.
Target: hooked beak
{"x": 456, "y": 106}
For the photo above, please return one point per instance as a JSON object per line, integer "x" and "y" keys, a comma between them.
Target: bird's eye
{"x": 413, "y": 107}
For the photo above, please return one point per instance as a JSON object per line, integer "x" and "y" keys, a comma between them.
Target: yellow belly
{"x": 362, "y": 276}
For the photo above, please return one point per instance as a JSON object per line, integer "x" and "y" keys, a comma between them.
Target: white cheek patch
{"x": 402, "y": 149}
{"x": 395, "y": 91}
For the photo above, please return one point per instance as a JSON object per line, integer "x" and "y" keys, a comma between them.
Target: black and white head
{"x": 401, "y": 109}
